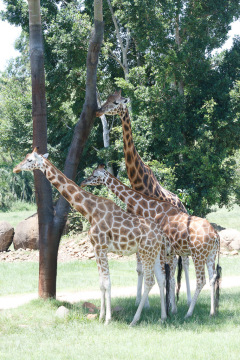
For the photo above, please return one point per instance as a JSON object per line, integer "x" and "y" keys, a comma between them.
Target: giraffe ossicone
{"x": 112, "y": 230}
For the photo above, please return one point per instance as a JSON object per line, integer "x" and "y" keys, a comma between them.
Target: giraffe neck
{"x": 138, "y": 172}
{"x": 136, "y": 202}
{"x": 140, "y": 175}
{"x": 83, "y": 201}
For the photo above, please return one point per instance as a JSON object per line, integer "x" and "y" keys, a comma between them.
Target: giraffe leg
{"x": 160, "y": 276}
{"x": 212, "y": 278}
{"x": 105, "y": 285}
{"x": 185, "y": 262}
{"x": 140, "y": 282}
{"x": 173, "y": 264}
{"x": 148, "y": 284}
{"x": 199, "y": 264}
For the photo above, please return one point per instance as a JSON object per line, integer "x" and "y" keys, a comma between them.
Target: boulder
{"x": 6, "y": 235}
{"x": 26, "y": 234}
{"x": 230, "y": 238}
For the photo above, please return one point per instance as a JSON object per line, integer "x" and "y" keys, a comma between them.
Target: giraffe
{"x": 112, "y": 230}
{"x": 185, "y": 235}
{"x": 140, "y": 175}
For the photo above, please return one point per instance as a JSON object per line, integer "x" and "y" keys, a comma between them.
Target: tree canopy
{"x": 184, "y": 99}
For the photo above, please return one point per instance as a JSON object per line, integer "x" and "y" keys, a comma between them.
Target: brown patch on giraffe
{"x": 143, "y": 203}
{"x": 61, "y": 179}
{"x": 123, "y": 246}
{"x": 124, "y": 231}
{"x": 126, "y": 127}
{"x": 127, "y": 136}
{"x": 71, "y": 189}
{"x": 128, "y": 157}
{"x": 66, "y": 195}
{"x": 51, "y": 178}
{"x": 81, "y": 210}
{"x": 102, "y": 207}
{"x": 140, "y": 171}
{"x": 145, "y": 180}
{"x": 78, "y": 197}
{"x": 90, "y": 205}
{"x": 132, "y": 243}
{"x": 56, "y": 184}
{"x": 132, "y": 202}
{"x": 132, "y": 172}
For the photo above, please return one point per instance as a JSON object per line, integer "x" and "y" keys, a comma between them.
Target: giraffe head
{"x": 98, "y": 177}
{"x": 31, "y": 162}
{"x": 114, "y": 105}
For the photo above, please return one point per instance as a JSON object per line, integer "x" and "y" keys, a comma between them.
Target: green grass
{"x": 19, "y": 211}
{"x": 83, "y": 275}
{"x": 34, "y": 332}
{"x": 225, "y": 217}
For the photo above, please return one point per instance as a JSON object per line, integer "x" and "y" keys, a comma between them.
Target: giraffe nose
{"x": 17, "y": 169}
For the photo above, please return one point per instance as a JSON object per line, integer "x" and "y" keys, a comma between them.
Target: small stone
{"x": 92, "y": 316}
{"x": 234, "y": 252}
{"x": 62, "y": 312}
{"x": 90, "y": 255}
{"x": 90, "y": 307}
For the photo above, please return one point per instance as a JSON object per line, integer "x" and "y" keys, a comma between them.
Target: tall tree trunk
{"x": 51, "y": 226}
{"x": 39, "y": 114}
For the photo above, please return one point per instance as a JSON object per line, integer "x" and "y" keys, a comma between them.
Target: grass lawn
{"x": 19, "y": 212}
{"x": 34, "y": 332}
{"x": 226, "y": 218}
{"x": 83, "y": 275}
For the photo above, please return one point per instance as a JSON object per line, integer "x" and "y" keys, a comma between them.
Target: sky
{"x": 10, "y": 33}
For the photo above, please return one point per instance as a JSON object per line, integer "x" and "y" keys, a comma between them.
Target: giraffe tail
{"x": 167, "y": 272}
{"x": 218, "y": 279}
{"x": 179, "y": 276}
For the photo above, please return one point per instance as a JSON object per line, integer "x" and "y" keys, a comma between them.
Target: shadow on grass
{"x": 229, "y": 312}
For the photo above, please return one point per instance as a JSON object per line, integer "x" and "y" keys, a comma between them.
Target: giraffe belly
{"x": 123, "y": 248}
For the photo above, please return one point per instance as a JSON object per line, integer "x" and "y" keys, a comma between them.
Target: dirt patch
{"x": 70, "y": 249}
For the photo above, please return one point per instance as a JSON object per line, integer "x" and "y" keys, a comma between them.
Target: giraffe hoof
{"x": 187, "y": 316}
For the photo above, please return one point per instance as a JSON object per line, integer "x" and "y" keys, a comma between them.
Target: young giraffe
{"x": 185, "y": 235}
{"x": 112, "y": 230}
{"x": 140, "y": 175}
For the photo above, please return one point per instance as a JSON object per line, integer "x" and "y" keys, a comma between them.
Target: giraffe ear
{"x": 101, "y": 166}
{"x": 46, "y": 155}
{"x": 36, "y": 149}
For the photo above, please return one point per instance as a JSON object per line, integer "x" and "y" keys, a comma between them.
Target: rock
{"x": 230, "y": 238}
{"x": 90, "y": 307}
{"x": 6, "y": 235}
{"x": 234, "y": 252}
{"x": 92, "y": 316}
{"x": 26, "y": 234}
{"x": 62, "y": 312}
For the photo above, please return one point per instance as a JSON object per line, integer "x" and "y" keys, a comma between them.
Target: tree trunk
{"x": 39, "y": 114}
{"x": 51, "y": 226}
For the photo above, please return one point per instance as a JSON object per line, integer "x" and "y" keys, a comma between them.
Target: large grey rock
{"x": 230, "y": 238}
{"x": 6, "y": 235}
{"x": 26, "y": 234}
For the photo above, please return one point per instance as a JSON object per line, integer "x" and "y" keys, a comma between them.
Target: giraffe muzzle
{"x": 17, "y": 169}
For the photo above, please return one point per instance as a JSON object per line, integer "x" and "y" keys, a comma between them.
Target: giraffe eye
{"x": 29, "y": 160}
{"x": 115, "y": 103}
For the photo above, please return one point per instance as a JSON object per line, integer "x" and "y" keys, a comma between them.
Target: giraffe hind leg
{"x": 139, "y": 283}
{"x": 201, "y": 281}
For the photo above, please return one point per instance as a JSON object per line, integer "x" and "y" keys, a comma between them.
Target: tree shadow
{"x": 229, "y": 312}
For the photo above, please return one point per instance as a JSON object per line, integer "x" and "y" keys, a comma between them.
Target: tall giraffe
{"x": 140, "y": 175}
{"x": 183, "y": 234}
{"x": 112, "y": 230}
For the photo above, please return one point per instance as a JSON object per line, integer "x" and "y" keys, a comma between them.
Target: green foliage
{"x": 184, "y": 101}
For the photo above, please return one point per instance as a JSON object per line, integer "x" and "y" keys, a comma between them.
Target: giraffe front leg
{"x": 185, "y": 262}
{"x": 140, "y": 282}
{"x": 160, "y": 276}
{"x": 105, "y": 286}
